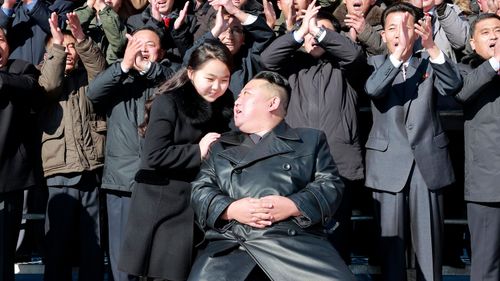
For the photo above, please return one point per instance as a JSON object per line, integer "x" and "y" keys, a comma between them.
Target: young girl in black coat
{"x": 181, "y": 122}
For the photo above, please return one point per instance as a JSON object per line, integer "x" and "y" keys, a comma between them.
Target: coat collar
{"x": 243, "y": 152}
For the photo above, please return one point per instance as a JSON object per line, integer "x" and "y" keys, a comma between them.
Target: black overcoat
{"x": 18, "y": 141}
{"x": 295, "y": 163}
{"x": 159, "y": 233}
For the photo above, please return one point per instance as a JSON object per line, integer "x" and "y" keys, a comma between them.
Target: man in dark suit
{"x": 266, "y": 195}
{"x": 407, "y": 160}
{"x": 481, "y": 99}
{"x": 18, "y": 169}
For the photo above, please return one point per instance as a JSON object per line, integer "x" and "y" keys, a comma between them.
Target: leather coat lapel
{"x": 246, "y": 153}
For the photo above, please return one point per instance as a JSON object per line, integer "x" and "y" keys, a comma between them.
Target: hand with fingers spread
{"x": 227, "y": 4}
{"x": 309, "y": 22}
{"x": 132, "y": 51}
{"x": 356, "y": 24}
{"x": 181, "y": 19}
{"x": 205, "y": 143}
{"x": 269, "y": 13}
{"x": 290, "y": 13}
{"x": 75, "y": 26}
{"x": 57, "y": 35}
{"x": 249, "y": 211}
{"x": 402, "y": 48}
{"x": 155, "y": 10}
{"x": 221, "y": 24}
{"x": 423, "y": 28}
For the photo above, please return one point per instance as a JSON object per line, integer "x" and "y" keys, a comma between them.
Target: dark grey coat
{"x": 295, "y": 163}
{"x": 481, "y": 98}
{"x": 406, "y": 125}
{"x": 122, "y": 97}
{"x": 19, "y": 168}
{"x": 322, "y": 95}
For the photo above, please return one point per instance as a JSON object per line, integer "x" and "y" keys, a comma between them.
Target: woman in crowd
{"x": 185, "y": 117}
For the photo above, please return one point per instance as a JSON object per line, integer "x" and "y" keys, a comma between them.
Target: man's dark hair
{"x": 277, "y": 80}
{"x": 158, "y": 32}
{"x": 323, "y": 14}
{"x": 401, "y": 7}
{"x": 480, "y": 18}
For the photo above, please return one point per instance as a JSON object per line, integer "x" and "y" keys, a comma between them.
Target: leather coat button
{"x": 326, "y": 219}
{"x": 237, "y": 171}
{"x": 292, "y": 232}
{"x": 286, "y": 167}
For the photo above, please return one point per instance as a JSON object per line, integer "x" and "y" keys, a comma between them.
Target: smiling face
{"x": 4, "y": 49}
{"x": 391, "y": 35}
{"x": 311, "y": 45}
{"x": 486, "y": 34}
{"x": 210, "y": 79}
{"x": 151, "y": 48}
{"x": 233, "y": 37}
{"x": 358, "y": 7}
{"x": 255, "y": 106}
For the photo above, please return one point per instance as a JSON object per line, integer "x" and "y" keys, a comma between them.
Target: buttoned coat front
{"x": 481, "y": 98}
{"x": 406, "y": 126}
{"x": 295, "y": 163}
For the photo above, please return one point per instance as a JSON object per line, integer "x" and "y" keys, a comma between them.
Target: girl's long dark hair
{"x": 210, "y": 49}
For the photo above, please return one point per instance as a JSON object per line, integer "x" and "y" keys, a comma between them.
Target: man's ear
{"x": 472, "y": 44}
{"x": 382, "y": 33}
{"x": 274, "y": 103}
{"x": 278, "y": 2}
{"x": 161, "y": 54}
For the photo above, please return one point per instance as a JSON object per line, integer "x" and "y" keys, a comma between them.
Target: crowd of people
{"x": 220, "y": 140}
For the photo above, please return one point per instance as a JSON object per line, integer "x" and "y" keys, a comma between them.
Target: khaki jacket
{"x": 73, "y": 135}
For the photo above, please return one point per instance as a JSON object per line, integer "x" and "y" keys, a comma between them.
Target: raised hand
{"x": 155, "y": 11}
{"x": 132, "y": 50}
{"x": 356, "y": 24}
{"x": 182, "y": 16}
{"x": 423, "y": 28}
{"x": 205, "y": 143}
{"x": 403, "y": 38}
{"x": 269, "y": 13}
{"x": 57, "y": 35}
{"x": 290, "y": 14}
{"x": 227, "y": 4}
{"x": 309, "y": 24}
{"x": 220, "y": 25}
{"x": 75, "y": 26}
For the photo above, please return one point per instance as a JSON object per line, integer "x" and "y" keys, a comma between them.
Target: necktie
{"x": 403, "y": 69}
{"x": 166, "y": 21}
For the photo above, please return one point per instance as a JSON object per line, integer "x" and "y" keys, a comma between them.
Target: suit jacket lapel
{"x": 415, "y": 73}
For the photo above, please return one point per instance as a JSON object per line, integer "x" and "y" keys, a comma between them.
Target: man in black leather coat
{"x": 266, "y": 196}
